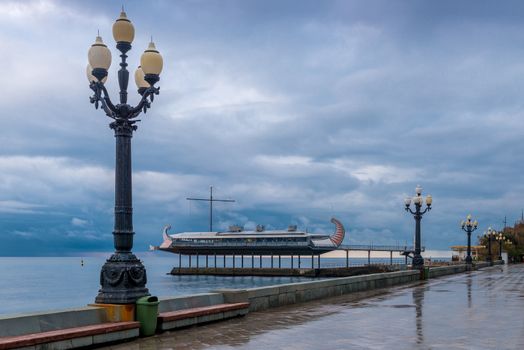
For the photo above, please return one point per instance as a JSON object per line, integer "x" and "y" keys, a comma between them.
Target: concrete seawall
{"x": 273, "y": 296}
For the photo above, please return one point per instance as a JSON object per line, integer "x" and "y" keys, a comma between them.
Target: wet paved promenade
{"x": 480, "y": 310}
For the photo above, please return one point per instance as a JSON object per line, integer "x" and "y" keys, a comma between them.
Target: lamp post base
{"x": 469, "y": 260}
{"x": 418, "y": 262}
{"x": 123, "y": 280}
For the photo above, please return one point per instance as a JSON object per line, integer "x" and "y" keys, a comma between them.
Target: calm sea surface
{"x": 32, "y": 284}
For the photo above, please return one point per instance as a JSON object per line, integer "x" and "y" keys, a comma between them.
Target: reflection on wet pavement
{"x": 479, "y": 310}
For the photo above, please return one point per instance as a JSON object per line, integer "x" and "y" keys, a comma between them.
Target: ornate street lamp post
{"x": 123, "y": 277}
{"x": 418, "y": 261}
{"x": 488, "y": 235}
{"x": 469, "y": 226}
{"x": 500, "y": 238}
{"x": 508, "y": 242}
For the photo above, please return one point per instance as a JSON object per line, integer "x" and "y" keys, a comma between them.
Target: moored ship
{"x": 257, "y": 242}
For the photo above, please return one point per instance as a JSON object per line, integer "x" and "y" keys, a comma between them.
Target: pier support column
{"x": 369, "y": 257}
{"x": 224, "y": 261}
{"x": 252, "y": 261}
{"x": 271, "y": 260}
{"x": 347, "y": 259}
{"x": 215, "y": 265}
{"x": 207, "y": 265}
{"x": 391, "y": 257}
{"x": 233, "y": 261}
{"x": 312, "y": 261}
{"x": 179, "y": 261}
{"x": 318, "y": 261}
{"x": 291, "y": 261}
{"x": 242, "y": 262}
{"x": 279, "y": 264}
{"x": 260, "y": 261}
{"x": 189, "y": 260}
{"x": 299, "y": 262}
{"x": 197, "y": 259}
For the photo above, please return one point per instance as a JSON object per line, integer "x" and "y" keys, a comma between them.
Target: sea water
{"x": 33, "y": 284}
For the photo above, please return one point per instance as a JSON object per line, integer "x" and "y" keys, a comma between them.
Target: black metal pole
{"x": 469, "y": 259}
{"x": 418, "y": 261}
{"x": 123, "y": 277}
{"x": 489, "y": 249}
{"x": 500, "y": 249}
{"x": 210, "y": 208}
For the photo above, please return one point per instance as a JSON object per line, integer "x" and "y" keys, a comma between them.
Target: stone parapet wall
{"x": 273, "y": 296}
{"x": 446, "y": 270}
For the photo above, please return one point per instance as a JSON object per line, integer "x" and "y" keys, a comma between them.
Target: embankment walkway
{"x": 477, "y": 310}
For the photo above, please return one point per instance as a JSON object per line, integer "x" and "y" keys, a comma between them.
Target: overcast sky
{"x": 298, "y": 110}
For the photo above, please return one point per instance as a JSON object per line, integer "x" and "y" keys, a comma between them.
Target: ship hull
{"x": 280, "y": 250}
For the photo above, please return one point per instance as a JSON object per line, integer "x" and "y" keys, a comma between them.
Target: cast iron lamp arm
{"x": 408, "y": 209}
{"x": 107, "y": 105}
{"x": 145, "y": 103}
{"x": 428, "y": 208}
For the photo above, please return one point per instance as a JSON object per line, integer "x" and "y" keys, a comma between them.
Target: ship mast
{"x": 211, "y": 200}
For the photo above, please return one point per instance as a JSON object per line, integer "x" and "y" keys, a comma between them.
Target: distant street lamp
{"x": 123, "y": 277}
{"x": 489, "y": 236}
{"x": 418, "y": 261}
{"x": 469, "y": 226}
{"x": 500, "y": 238}
{"x": 508, "y": 242}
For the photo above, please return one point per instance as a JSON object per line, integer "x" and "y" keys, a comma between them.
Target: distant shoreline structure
{"x": 258, "y": 242}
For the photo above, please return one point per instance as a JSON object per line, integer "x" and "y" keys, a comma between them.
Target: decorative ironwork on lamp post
{"x": 123, "y": 277}
{"x": 418, "y": 260}
{"x": 469, "y": 226}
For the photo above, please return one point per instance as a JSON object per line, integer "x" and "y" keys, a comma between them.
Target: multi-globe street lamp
{"x": 489, "y": 234}
{"x": 469, "y": 226}
{"x": 418, "y": 260}
{"x": 508, "y": 242}
{"x": 123, "y": 276}
{"x": 500, "y": 238}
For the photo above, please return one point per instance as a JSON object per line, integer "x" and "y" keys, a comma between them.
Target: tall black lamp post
{"x": 500, "y": 238}
{"x": 469, "y": 226}
{"x": 418, "y": 260}
{"x": 123, "y": 277}
{"x": 489, "y": 236}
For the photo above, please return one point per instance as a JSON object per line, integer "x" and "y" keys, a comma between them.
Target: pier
{"x": 290, "y": 265}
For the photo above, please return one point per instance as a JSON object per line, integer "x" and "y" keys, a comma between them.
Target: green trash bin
{"x": 146, "y": 314}
{"x": 426, "y": 273}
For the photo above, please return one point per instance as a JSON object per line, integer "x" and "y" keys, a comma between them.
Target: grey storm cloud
{"x": 298, "y": 110}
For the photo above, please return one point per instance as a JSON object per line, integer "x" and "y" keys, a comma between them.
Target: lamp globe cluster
{"x": 99, "y": 56}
